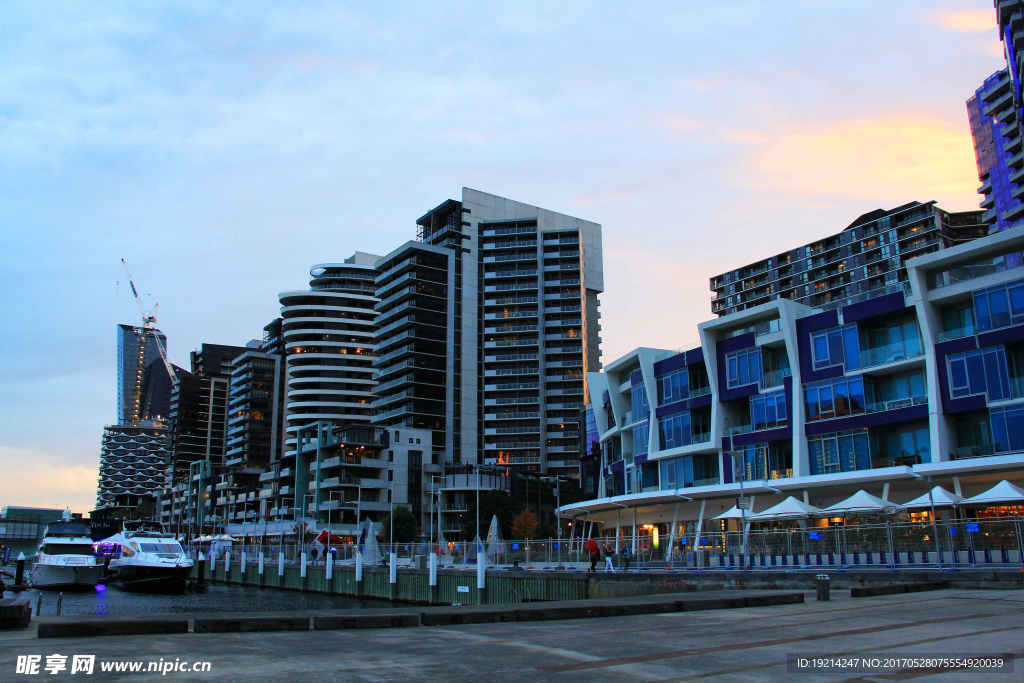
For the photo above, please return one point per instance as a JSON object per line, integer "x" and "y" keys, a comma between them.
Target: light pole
{"x": 558, "y": 512}
{"x": 738, "y": 466}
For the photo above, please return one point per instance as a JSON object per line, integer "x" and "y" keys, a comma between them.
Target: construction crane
{"x": 148, "y": 325}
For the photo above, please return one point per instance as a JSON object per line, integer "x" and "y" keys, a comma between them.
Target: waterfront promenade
{"x": 734, "y": 644}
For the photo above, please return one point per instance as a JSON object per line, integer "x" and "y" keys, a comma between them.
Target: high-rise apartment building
{"x": 531, "y": 280}
{"x": 197, "y": 437}
{"x": 866, "y": 260}
{"x": 327, "y": 335}
{"x": 143, "y": 388}
{"x": 133, "y": 465}
{"x": 997, "y": 147}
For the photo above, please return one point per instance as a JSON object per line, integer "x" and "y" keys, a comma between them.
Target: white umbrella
{"x": 862, "y": 501}
{"x": 940, "y": 498}
{"x": 732, "y": 513}
{"x": 791, "y": 508}
{"x": 1003, "y": 492}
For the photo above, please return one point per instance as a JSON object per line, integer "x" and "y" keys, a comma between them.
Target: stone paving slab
{"x": 741, "y": 644}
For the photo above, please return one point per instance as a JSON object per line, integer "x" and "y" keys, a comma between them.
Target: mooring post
{"x": 359, "y": 572}
{"x": 201, "y": 568}
{"x": 432, "y": 577}
{"x": 481, "y": 576}
{"x": 60, "y": 603}
{"x": 259, "y": 565}
{"x": 19, "y": 571}
{"x": 227, "y": 565}
{"x": 242, "y": 567}
{"x": 393, "y": 573}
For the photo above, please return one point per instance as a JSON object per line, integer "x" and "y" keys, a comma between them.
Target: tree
{"x": 524, "y": 525}
{"x": 405, "y": 526}
{"x": 499, "y": 503}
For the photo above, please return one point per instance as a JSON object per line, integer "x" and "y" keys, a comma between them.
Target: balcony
{"x": 775, "y": 378}
{"x": 889, "y": 353}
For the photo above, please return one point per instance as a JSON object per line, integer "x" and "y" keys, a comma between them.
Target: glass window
{"x": 825, "y": 397}
{"x": 638, "y": 397}
{"x": 743, "y": 367}
{"x": 851, "y": 347}
{"x": 983, "y": 371}
{"x": 821, "y": 357}
{"x": 640, "y": 437}
{"x": 812, "y": 403}
{"x": 998, "y": 308}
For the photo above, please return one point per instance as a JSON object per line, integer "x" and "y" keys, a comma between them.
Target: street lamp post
{"x": 737, "y": 460}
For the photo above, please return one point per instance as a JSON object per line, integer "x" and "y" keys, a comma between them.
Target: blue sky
{"x": 224, "y": 149}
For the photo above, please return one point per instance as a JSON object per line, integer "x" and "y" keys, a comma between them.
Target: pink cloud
{"x": 966, "y": 21}
{"x": 890, "y": 157}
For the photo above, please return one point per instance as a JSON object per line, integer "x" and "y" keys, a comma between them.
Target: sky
{"x": 223, "y": 149}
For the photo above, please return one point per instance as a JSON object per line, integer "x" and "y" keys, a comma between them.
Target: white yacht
{"x": 143, "y": 556}
{"x": 66, "y": 558}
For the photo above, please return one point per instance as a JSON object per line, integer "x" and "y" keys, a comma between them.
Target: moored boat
{"x": 66, "y": 559}
{"x": 145, "y": 557}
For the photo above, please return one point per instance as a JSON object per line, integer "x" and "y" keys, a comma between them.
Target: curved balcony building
{"x": 328, "y": 334}
{"x": 133, "y": 465}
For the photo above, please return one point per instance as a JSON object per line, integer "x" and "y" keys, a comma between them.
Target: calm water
{"x": 217, "y": 598}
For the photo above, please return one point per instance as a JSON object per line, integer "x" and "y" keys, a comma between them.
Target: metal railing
{"x": 959, "y": 542}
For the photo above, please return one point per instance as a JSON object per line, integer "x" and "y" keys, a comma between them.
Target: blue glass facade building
{"x": 887, "y": 392}
{"x": 993, "y": 141}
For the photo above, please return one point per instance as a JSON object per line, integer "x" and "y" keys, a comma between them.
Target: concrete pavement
{"x": 739, "y": 644}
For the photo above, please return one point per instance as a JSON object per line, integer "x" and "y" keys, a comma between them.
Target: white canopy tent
{"x": 940, "y": 498}
{"x": 862, "y": 501}
{"x": 790, "y": 508}
{"x": 1003, "y": 492}
{"x": 732, "y": 513}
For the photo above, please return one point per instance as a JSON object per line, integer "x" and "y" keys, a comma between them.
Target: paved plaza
{"x": 749, "y": 644}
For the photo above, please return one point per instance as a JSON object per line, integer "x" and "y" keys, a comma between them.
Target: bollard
{"x": 60, "y": 603}
{"x": 328, "y": 567}
{"x": 359, "y": 567}
{"x": 280, "y": 563}
{"x": 302, "y": 565}
{"x": 259, "y": 564}
{"x": 39, "y": 603}
{"x": 481, "y": 576}
{"x": 201, "y": 569}
{"x": 824, "y": 584}
{"x": 432, "y": 576}
{"x": 19, "y": 572}
{"x": 242, "y": 566}
{"x": 393, "y": 570}
{"x": 227, "y": 565}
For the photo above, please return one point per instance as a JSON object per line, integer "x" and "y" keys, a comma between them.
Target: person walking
{"x": 608, "y": 566}
{"x": 595, "y": 553}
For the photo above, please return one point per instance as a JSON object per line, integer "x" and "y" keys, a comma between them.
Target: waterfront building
{"x": 133, "y": 467}
{"x": 866, "y": 260}
{"x": 533, "y": 276}
{"x": 197, "y": 437}
{"x": 997, "y": 137}
{"x": 253, "y": 436}
{"x": 327, "y": 334}
{"x": 893, "y": 394}
{"x": 997, "y": 147}
{"x": 21, "y": 528}
{"x": 143, "y": 388}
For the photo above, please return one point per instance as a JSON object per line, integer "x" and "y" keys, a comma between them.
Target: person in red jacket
{"x": 595, "y": 552}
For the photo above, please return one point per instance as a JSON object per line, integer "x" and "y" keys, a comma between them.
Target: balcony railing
{"x": 889, "y": 353}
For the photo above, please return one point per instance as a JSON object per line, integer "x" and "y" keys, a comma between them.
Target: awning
{"x": 791, "y": 508}
{"x": 940, "y": 496}
{"x": 862, "y": 501}
{"x": 1003, "y": 492}
{"x": 731, "y": 513}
